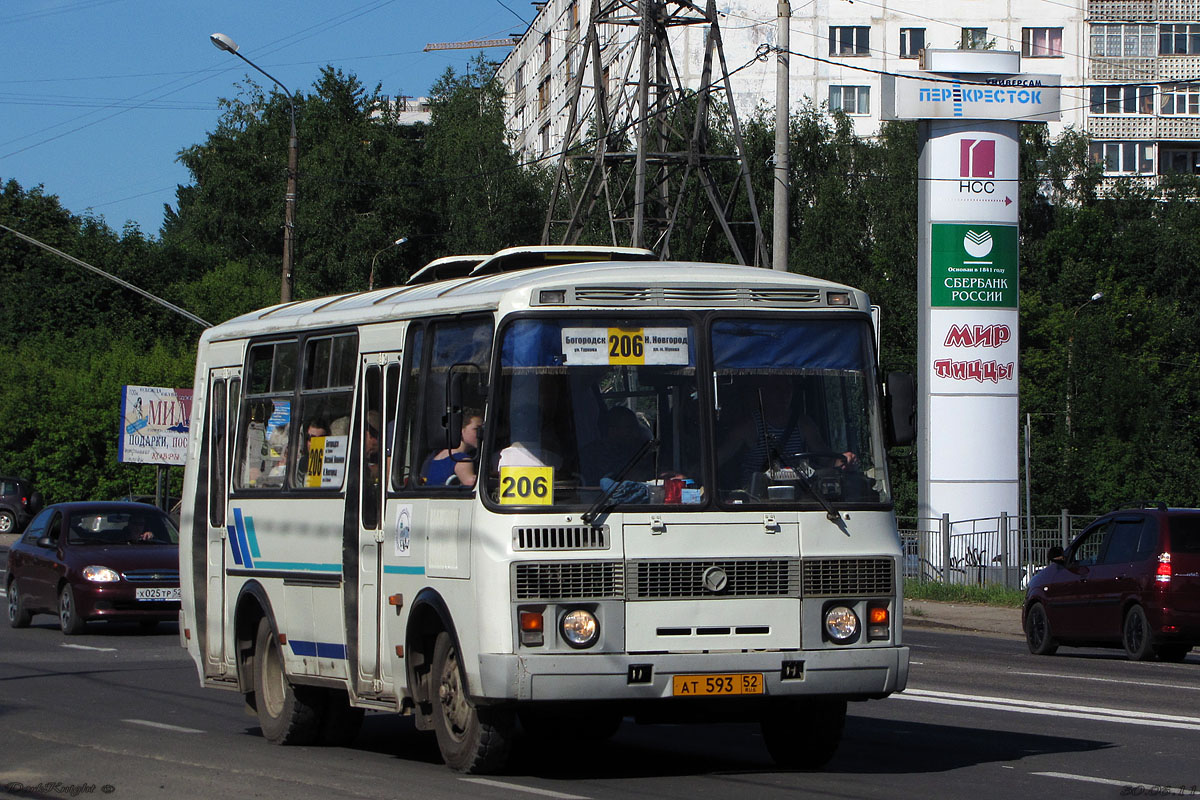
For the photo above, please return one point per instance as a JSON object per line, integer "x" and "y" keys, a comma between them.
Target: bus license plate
{"x": 162, "y": 593}
{"x": 707, "y": 685}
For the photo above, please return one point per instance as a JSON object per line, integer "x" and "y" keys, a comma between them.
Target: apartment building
{"x": 1094, "y": 47}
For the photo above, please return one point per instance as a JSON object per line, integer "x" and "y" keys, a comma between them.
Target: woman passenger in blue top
{"x": 456, "y": 463}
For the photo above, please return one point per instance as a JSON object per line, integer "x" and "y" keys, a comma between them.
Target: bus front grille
{"x": 714, "y": 579}
{"x": 560, "y": 537}
{"x": 848, "y": 577}
{"x": 568, "y": 580}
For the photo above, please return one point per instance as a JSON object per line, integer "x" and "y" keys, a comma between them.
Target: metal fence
{"x": 1001, "y": 550}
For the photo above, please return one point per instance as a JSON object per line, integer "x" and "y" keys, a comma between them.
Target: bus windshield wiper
{"x": 604, "y": 501}
{"x": 769, "y": 446}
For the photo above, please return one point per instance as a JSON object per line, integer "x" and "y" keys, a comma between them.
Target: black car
{"x": 18, "y": 502}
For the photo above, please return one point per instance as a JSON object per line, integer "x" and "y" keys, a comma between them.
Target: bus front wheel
{"x": 471, "y": 738}
{"x": 287, "y": 714}
{"x": 805, "y": 734}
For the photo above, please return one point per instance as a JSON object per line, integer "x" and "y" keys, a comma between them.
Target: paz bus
{"x": 544, "y": 491}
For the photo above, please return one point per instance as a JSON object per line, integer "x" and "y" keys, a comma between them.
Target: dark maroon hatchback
{"x": 95, "y": 561}
{"x": 1131, "y": 579}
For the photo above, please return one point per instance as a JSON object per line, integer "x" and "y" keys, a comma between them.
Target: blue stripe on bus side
{"x": 404, "y": 570}
{"x": 318, "y": 649}
{"x": 240, "y": 526}
{"x": 299, "y": 566}
{"x": 233, "y": 545}
{"x": 253, "y": 537}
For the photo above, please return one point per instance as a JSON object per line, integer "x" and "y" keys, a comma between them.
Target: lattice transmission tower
{"x": 638, "y": 148}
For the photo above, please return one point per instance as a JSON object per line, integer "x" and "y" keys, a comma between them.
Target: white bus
{"x": 546, "y": 491}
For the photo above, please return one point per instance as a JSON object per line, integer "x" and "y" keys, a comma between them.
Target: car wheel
{"x": 1135, "y": 635}
{"x": 17, "y": 617}
{"x": 8, "y": 523}
{"x": 68, "y": 612}
{"x": 805, "y": 735}
{"x": 1173, "y": 652}
{"x": 340, "y": 721}
{"x": 287, "y": 714}
{"x": 1037, "y": 631}
{"x": 474, "y": 739}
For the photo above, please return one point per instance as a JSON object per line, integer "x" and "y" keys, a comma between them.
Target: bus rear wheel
{"x": 805, "y": 734}
{"x": 472, "y": 738}
{"x": 287, "y": 714}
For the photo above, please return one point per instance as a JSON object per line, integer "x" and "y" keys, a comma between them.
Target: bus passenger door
{"x": 224, "y": 389}
{"x": 380, "y": 377}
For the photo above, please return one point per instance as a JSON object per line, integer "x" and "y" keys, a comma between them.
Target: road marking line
{"x": 1106, "y": 781}
{"x": 161, "y": 726}
{"x": 1052, "y": 709}
{"x": 519, "y": 788}
{"x": 88, "y": 647}
{"x": 1110, "y": 680}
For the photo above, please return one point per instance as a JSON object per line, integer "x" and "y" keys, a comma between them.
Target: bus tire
{"x": 287, "y": 714}
{"x": 805, "y": 734}
{"x": 473, "y": 739}
{"x": 340, "y": 721}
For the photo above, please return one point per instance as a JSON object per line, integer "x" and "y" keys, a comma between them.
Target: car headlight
{"x": 580, "y": 628}
{"x": 841, "y": 623}
{"x": 100, "y": 574}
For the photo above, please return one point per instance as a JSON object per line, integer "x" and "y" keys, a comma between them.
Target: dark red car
{"x": 1131, "y": 579}
{"x": 95, "y": 561}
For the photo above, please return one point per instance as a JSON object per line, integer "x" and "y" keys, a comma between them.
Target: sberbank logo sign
{"x": 973, "y": 266}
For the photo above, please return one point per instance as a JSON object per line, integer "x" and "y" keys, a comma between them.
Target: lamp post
{"x": 371, "y": 277}
{"x": 223, "y": 42}
{"x": 1071, "y": 353}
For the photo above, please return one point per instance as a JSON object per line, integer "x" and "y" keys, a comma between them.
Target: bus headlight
{"x": 580, "y": 628}
{"x": 841, "y": 623}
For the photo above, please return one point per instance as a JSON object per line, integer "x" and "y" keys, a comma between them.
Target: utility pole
{"x": 779, "y": 242}
{"x": 641, "y": 141}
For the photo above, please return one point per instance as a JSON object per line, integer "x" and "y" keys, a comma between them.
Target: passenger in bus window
{"x": 371, "y": 448}
{"x": 456, "y": 467}
{"x": 622, "y": 434}
{"x": 528, "y": 441}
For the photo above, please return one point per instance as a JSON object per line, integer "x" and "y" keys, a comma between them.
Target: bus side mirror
{"x": 901, "y": 407}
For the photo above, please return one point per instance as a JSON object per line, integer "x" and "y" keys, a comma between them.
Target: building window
{"x": 912, "y": 42}
{"x": 519, "y": 78}
{"x": 850, "y": 99}
{"x": 1180, "y": 99}
{"x": 1181, "y": 161}
{"x": 546, "y": 49}
{"x": 607, "y": 83}
{"x": 545, "y": 134}
{"x": 1124, "y": 40}
{"x": 1122, "y": 99}
{"x": 543, "y": 95}
{"x": 1041, "y": 42}
{"x": 973, "y": 39}
{"x": 1124, "y": 158}
{"x": 849, "y": 40}
{"x": 519, "y": 118}
{"x": 1179, "y": 39}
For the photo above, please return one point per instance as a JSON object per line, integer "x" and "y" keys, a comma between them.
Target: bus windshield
{"x": 597, "y": 406}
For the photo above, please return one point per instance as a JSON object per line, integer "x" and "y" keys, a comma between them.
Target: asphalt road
{"x": 119, "y": 713}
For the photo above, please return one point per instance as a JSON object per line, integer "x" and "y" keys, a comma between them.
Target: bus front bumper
{"x": 868, "y": 672}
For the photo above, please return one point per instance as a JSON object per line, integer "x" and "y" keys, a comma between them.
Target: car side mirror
{"x": 46, "y": 542}
{"x": 1055, "y": 555}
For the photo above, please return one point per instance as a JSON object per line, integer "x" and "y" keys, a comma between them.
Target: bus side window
{"x": 264, "y": 439}
{"x": 372, "y": 447}
{"x": 406, "y": 462}
{"x": 217, "y": 429}
{"x": 455, "y": 343}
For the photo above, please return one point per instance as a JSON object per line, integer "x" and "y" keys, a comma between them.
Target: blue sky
{"x": 98, "y": 96}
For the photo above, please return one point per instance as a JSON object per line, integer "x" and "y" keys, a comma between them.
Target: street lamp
{"x": 1071, "y": 353}
{"x": 223, "y": 42}
{"x": 371, "y": 277}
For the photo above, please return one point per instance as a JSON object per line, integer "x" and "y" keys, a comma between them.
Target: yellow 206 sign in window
{"x": 625, "y": 346}
{"x": 526, "y": 486}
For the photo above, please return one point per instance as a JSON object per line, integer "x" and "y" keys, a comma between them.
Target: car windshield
{"x": 612, "y": 411}
{"x": 121, "y": 527}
